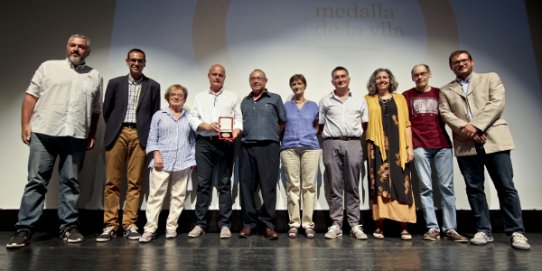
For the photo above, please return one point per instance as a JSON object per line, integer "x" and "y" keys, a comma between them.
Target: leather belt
{"x": 213, "y": 137}
{"x": 129, "y": 125}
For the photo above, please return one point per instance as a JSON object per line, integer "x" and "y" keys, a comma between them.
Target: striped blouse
{"x": 174, "y": 139}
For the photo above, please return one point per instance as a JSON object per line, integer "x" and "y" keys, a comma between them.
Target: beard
{"x": 76, "y": 59}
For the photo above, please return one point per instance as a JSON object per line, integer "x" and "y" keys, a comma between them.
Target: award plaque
{"x": 226, "y": 128}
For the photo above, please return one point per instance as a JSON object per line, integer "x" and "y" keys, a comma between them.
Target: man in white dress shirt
{"x": 214, "y": 152}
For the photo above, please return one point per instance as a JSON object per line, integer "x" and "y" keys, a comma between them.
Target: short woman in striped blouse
{"x": 172, "y": 142}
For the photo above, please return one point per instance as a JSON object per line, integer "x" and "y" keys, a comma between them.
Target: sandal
{"x": 378, "y": 233}
{"x": 292, "y": 233}
{"x": 310, "y": 233}
{"x": 405, "y": 235}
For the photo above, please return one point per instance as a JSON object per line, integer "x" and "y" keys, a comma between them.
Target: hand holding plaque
{"x": 226, "y": 128}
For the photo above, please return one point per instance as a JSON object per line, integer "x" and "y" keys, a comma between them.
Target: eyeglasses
{"x": 135, "y": 60}
{"x": 420, "y": 74}
{"x": 176, "y": 95}
{"x": 460, "y": 61}
{"x": 257, "y": 78}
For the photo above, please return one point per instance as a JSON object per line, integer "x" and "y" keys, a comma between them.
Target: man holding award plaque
{"x": 216, "y": 118}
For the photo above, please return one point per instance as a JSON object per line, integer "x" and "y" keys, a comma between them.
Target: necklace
{"x": 384, "y": 100}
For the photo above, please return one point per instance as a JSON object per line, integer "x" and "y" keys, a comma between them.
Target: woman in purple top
{"x": 300, "y": 156}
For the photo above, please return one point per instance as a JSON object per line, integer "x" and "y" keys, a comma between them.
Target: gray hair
{"x": 260, "y": 71}
{"x": 174, "y": 87}
{"x": 81, "y": 36}
{"x": 420, "y": 65}
{"x": 371, "y": 84}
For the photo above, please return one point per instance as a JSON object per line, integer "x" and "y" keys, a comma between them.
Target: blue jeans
{"x": 443, "y": 163}
{"x": 44, "y": 150}
{"x": 500, "y": 169}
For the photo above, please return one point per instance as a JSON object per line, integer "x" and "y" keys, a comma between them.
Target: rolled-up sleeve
{"x": 238, "y": 116}
{"x": 37, "y": 82}
{"x": 152, "y": 141}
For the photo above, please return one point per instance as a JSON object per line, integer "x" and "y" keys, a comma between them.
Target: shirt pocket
{"x": 90, "y": 86}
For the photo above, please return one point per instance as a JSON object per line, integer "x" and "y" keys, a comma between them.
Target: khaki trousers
{"x": 300, "y": 166}
{"x": 126, "y": 155}
{"x": 158, "y": 184}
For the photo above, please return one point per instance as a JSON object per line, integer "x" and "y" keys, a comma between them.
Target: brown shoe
{"x": 270, "y": 234}
{"x": 456, "y": 237}
{"x": 245, "y": 232}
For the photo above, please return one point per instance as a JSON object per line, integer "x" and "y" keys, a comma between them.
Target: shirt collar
{"x": 216, "y": 93}
{"x": 265, "y": 93}
{"x": 332, "y": 94}
{"x": 466, "y": 81}
{"x": 168, "y": 112}
{"x": 78, "y": 67}
{"x": 132, "y": 81}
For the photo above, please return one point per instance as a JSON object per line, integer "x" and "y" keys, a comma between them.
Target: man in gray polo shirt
{"x": 263, "y": 119}
{"x": 343, "y": 116}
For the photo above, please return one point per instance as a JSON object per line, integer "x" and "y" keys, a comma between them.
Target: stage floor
{"x": 48, "y": 252}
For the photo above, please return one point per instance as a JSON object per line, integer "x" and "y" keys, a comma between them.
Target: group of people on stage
{"x": 62, "y": 105}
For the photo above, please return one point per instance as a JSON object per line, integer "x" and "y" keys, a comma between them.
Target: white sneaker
{"x": 519, "y": 241}
{"x": 481, "y": 238}
{"x": 146, "y": 237}
{"x": 170, "y": 234}
{"x": 333, "y": 232}
{"x": 197, "y": 231}
{"x": 357, "y": 231}
{"x": 225, "y": 232}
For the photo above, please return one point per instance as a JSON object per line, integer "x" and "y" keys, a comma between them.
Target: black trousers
{"x": 259, "y": 166}
{"x": 213, "y": 154}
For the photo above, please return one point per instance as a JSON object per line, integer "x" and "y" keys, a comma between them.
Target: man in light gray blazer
{"x": 472, "y": 105}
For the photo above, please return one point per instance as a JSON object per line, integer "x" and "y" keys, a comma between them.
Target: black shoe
{"x": 132, "y": 233}
{"x": 72, "y": 235}
{"x": 20, "y": 239}
{"x": 108, "y": 234}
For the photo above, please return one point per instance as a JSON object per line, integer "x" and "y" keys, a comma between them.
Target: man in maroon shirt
{"x": 432, "y": 144}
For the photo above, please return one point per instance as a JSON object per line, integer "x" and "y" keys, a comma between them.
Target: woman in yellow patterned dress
{"x": 389, "y": 150}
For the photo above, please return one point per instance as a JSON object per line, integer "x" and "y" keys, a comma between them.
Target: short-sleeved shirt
{"x": 300, "y": 131}
{"x": 261, "y": 117}
{"x": 342, "y": 119}
{"x": 427, "y": 126}
{"x": 67, "y": 98}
